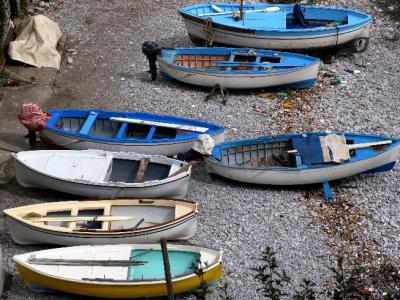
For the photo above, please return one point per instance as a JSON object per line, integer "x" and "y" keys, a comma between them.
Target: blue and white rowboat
{"x": 280, "y": 27}
{"x": 243, "y": 68}
{"x": 296, "y": 159}
{"x": 125, "y": 132}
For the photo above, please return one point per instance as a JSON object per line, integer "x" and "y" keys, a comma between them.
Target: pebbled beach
{"x": 362, "y": 224}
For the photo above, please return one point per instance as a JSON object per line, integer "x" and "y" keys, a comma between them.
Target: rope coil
{"x": 208, "y": 34}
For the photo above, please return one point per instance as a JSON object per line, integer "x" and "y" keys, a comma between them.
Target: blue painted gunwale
{"x": 361, "y": 154}
{"x": 360, "y": 19}
{"x": 303, "y": 61}
{"x": 81, "y": 113}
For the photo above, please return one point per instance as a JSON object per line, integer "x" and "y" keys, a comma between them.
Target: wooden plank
{"x": 167, "y": 269}
{"x": 252, "y": 64}
{"x": 241, "y": 11}
{"x": 367, "y": 145}
{"x": 144, "y": 162}
{"x": 83, "y": 262}
{"x": 88, "y": 123}
{"x": 160, "y": 124}
{"x": 80, "y": 218}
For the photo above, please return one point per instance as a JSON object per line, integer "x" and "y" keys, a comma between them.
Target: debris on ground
{"x": 36, "y": 44}
{"x": 282, "y": 94}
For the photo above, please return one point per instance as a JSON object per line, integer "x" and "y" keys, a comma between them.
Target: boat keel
{"x": 328, "y": 195}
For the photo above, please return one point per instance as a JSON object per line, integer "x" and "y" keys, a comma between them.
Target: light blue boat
{"x": 238, "y": 68}
{"x": 281, "y": 27}
{"x": 297, "y": 159}
{"x": 139, "y": 132}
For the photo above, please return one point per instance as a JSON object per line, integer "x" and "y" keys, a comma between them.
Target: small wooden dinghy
{"x": 243, "y": 68}
{"x": 102, "y": 174}
{"x": 280, "y": 27}
{"x": 125, "y": 132}
{"x": 119, "y": 271}
{"x": 102, "y": 222}
{"x": 295, "y": 159}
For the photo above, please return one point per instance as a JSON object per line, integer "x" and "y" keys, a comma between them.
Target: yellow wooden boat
{"x": 118, "y": 271}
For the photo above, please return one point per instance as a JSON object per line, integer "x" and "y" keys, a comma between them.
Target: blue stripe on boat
{"x": 88, "y": 123}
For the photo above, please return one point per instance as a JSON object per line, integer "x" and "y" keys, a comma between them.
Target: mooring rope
{"x": 208, "y": 34}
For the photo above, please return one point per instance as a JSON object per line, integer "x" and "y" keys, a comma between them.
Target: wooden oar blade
{"x": 80, "y": 218}
{"x": 161, "y": 124}
{"x": 222, "y": 63}
{"x": 83, "y": 262}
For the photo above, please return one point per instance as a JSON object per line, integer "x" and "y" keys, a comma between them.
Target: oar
{"x": 267, "y": 10}
{"x": 367, "y": 145}
{"x": 83, "y": 262}
{"x": 80, "y": 218}
{"x": 160, "y": 124}
{"x": 356, "y": 146}
{"x": 253, "y": 64}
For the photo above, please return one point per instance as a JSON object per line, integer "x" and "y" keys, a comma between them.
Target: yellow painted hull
{"x": 117, "y": 290}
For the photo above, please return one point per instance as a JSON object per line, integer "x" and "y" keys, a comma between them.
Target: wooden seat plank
{"x": 144, "y": 162}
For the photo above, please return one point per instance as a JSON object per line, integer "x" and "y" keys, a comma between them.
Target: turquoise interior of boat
{"x": 181, "y": 263}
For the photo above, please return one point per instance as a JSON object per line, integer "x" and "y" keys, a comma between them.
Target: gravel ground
{"x": 109, "y": 71}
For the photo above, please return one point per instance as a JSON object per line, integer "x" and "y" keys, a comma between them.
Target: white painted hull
{"x": 26, "y": 234}
{"x": 284, "y": 42}
{"x": 240, "y": 81}
{"x": 167, "y": 149}
{"x": 287, "y": 176}
{"x": 175, "y": 187}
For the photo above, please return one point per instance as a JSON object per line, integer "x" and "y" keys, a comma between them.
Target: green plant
{"x": 3, "y": 21}
{"x": 197, "y": 268}
{"x": 307, "y": 291}
{"x": 225, "y": 286}
{"x": 272, "y": 280}
{"x": 345, "y": 286}
{"x": 23, "y": 6}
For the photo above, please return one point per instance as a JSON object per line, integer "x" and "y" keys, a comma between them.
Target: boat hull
{"x": 264, "y": 40}
{"x": 286, "y": 176}
{"x": 113, "y": 281}
{"x": 300, "y": 78}
{"x": 74, "y": 143}
{"x": 26, "y": 234}
{"x": 37, "y": 280}
{"x": 177, "y": 187}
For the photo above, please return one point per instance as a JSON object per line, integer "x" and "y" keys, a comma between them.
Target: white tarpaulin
{"x": 36, "y": 43}
{"x": 204, "y": 144}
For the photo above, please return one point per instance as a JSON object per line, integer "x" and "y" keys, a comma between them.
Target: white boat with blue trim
{"x": 101, "y": 222}
{"x": 103, "y": 174}
{"x": 238, "y": 68}
{"x": 279, "y": 27}
{"x": 138, "y": 132}
{"x": 296, "y": 159}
